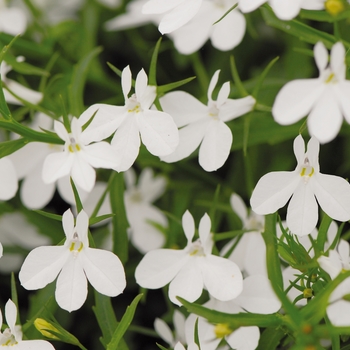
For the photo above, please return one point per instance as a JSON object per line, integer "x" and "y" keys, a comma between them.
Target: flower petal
{"x": 104, "y": 271}
{"x": 239, "y": 207}
{"x": 222, "y": 277}
{"x": 158, "y": 267}
{"x": 273, "y": 191}
{"x": 232, "y": 109}
{"x": 126, "y": 81}
{"x": 216, "y": 146}
{"x": 83, "y": 174}
{"x": 42, "y": 265}
{"x": 163, "y": 331}
{"x": 333, "y": 193}
{"x": 71, "y": 287}
{"x": 11, "y": 314}
{"x": 57, "y": 165}
{"x": 286, "y": 9}
{"x": 321, "y": 56}
{"x": 249, "y": 5}
{"x": 244, "y": 338}
{"x": 8, "y": 179}
{"x": 188, "y": 225}
{"x": 34, "y": 345}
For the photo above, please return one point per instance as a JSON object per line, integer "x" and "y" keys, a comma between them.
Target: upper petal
{"x": 244, "y": 338}
{"x": 188, "y": 225}
{"x": 321, "y": 56}
{"x": 286, "y": 9}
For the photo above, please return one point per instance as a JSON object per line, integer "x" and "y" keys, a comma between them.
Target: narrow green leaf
{"x": 322, "y": 232}
{"x": 76, "y": 88}
{"x": 49, "y": 215}
{"x": 120, "y": 222}
{"x": 324, "y": 16}
{"x": 24, "y": 67}
{"x": 233, "y": 320}
{"x": 226, "y": 13}
{"x": 152, "y": 74}
{"x": 14, "y": 295}
{"x": 98, "y": 219}
{"x": 236, "y": 78}
{"x": 114, "y": 69}
{"x": 161, "y": 347}
{"x": 124, "y": 324}
{"x": 8, "y": 147}
{"x": 77, "y": 199}
{"x": 270, "y": 338}
{"x": 162, "y": 89}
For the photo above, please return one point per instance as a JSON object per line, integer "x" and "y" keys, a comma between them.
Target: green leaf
{"x": 300, "y": 30}
{"x": 270, "y": 338}
{"x": 98, "y": 219}
{"x": 161, "y": 347}
{"x": 76, "y": 88}
{"x": 324, "y": 16}
{"x": 8, "y": 147}
{"x": 49, "y": 215}
{"x": 124, "y": 324}
{"x": 24, "y": 67}
{"x": 236, "y": 78}
{"x": 77, "y": 199}
{"x": 152, "y": 74}
{"x": 120, "y": 222}
{"x": 14, "y": 295}
{"x": 233, "y": 320}
{"x": 162, "y": 89}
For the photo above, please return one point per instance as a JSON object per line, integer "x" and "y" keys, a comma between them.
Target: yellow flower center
{"x": 8, "y": 338}
{"x": 133, "y": 105}
{"x": 334, "y": 7}
{"x": 307, "y": 171}
{"x": 73, "y": 147}
{"x": 196, "y": 249}
{"x": 221, "y": 330}
{"x": 76, "y": 245}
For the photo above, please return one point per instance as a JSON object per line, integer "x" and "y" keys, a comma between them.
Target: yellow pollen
{"x": 330, "y": 78}
{"x": 136, "y": 109}
{"x": 334, "y": 7}
{"x": 73, "y": 248}
{"x": 194, "y": 252}
{"x": 303, "y": 172}
{"x": 221, "y": 330}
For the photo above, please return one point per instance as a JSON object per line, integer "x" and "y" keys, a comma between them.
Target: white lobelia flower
{"x": 224, "y": 35}
{"x": 191, "y": 269}
{"x": 165, "y": 332}
{"x": 284, "y": 9}
{"x": 8, "y": 179}
{"x": 29, "y": 161}
{"x": 176, "y": 12}
{"x": 74, "y": 263}
{"x": 305, "y": 184}
{"x": 250, "y": 251}
{"x": 140, "y": 211}
{"x": 257, "y": 297}
{"x": 79, "y": 158}
{"x": 204, "y": 125}
{"x": 13, "y": 19}
{"x": 11, "y": 337}
{"x": 338, "y": 310}
{"x": 324, "y": 99}
{"x": 18, "y": 89}
{"x": 192, "y": 346}
{"x": 158, "y": 130}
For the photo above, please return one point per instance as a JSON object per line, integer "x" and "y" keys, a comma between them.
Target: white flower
{"x": 324, "y": 99}
{"x": 11, "y": 337}
{"x": 284, "y": 9}
{"x": 190, "y": 269}
{"x": 13, "y": 20}
{"x": 8, "y": 179}
{"x": 224, "y": 35}
{"x": 74, "y": 263}
{"x": 338, "y": 310}
{"x": 250, "y": 251}
{"x": 179, "y": 346}
{"x": 305, "y": 184}
{"x": 29, "y": 161}
{"x": 139, "y": 209}
{"x": 158, "y": 130}
{"x": 257, "y": 296}
{"x": 16, "y": 231}
{"x": 176, "y": 12}
{"x": 165, "y": 332}
{"x": 18, "y": 89}
{"x": 204, "y": 125}
{"x": 78, "y": 158}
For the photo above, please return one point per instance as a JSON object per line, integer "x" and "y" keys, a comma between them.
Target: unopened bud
{"x": 46, "y": 328}
{"x": 334, "y": 7}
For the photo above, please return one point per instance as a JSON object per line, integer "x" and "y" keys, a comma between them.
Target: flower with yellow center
{"x": 325, "y": 100}
{"x": 74, "y": 263}
{"x": 191, "y": 269}
{"x": 303, "y": 185}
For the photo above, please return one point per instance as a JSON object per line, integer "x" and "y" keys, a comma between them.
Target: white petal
{"x": 286, "y": 9}
{"x": 179, "y": 325}
{"x": 331, "y": 264}
{"x": 216, "y": 146}
{"x": 179, "y": 16}
{"x": 255, "y": 257}
{"x": 34, "y": 345}
{"x": 158, "y": 132}
{"x": 126, "y": 81}
{"x": 183, "y": 107}
{"x": 8, "y": 179}
{"x": 81, "y": 227}
{"x": 187, "y": 284}
{"x": 150, "y": 186}
{"x": 229, "y": 32}
{"x": 61, "y": 131}
{"x": 71, "y": 286}
{"x": 258, "y": 296}
{"x": 212, "y": 84}
{"x": 344, "y": 251}
{"x": 244, "y": 338}
{"x": 188, "y": 225}
{"x": 13, "y": 21}
{"x": 222, "y": 277}
{"x": 126, "y": 143}
{"x": 160, "y": 6}
{"x": 339, "y": 313}
{"x": 333, "y": 193}
{"x": 273, "y": 191}
{"x": 83, "y": 174}
{"x": 341, "y": 92}
{"x": 321, "y": 56}
{"x": 23, "y": 92}
{"x": 100, "y": 155}
{"x": 249, "y": 5}
{"x": 204, "y": 232}
{"x": 296, "y": 99}
{"x": 223, "y": 94}
{"x": 104, "y": 271}
{"x": 302, "y": 212}
{"x": 299, "y": 149}
{"x": 57, "y": 165}
{"x": 239, "y": 207}
{"x": 141, "y": 83}
{"x": 232, "y": 109}
{"x": 190, "y": 138}
{"x": 11, "y": 314}
{"x": 163, "y": 331}
{"x": 106, "y": 121}
{"x": 338, "y": 60}
{"x": 325, "y": 119}
{"x": 158, "y": 267}
{"x": 64, "y": 188}
{"x": 42, "y": 266}
{"x": 179, "y": 346}
{"x": 313, "y": 150}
